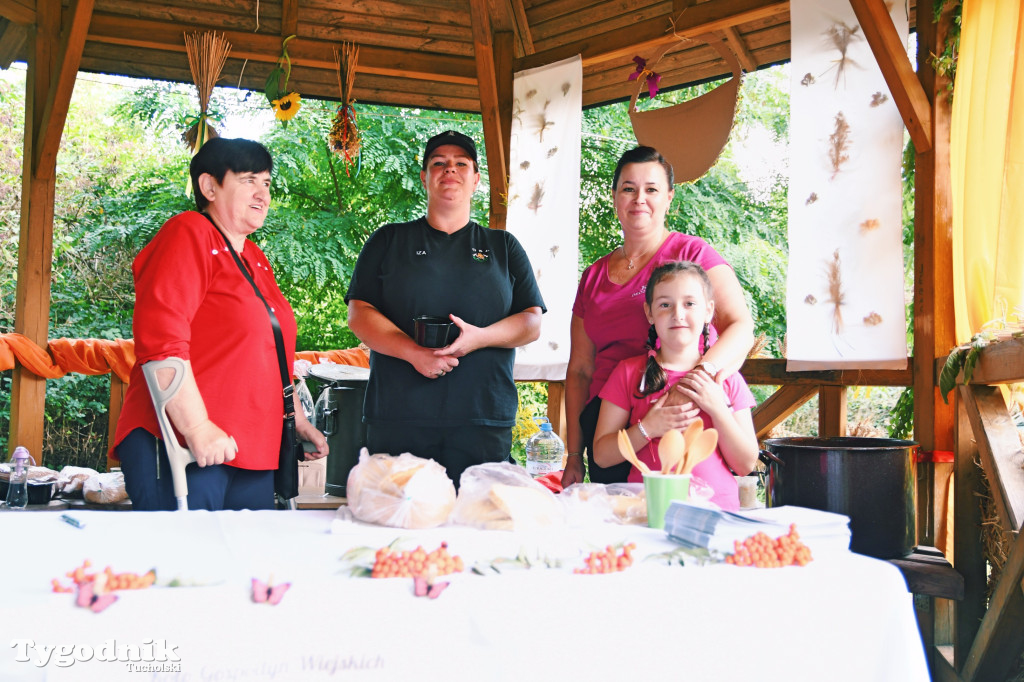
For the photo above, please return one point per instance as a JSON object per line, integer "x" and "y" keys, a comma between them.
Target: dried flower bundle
{"x": 873, "y": 320}
{"x": 345, "y": 139}
{"x": 542, "y": 123}
{"x": 841, "y": 36}
{"x": 833, "y": 273}
{"x": 536, "y": 197}
{"x": 207, "y": 53}
{"x": 839, "y": 145}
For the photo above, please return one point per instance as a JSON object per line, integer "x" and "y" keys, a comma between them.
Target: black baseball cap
{"x": 450, "y": 137}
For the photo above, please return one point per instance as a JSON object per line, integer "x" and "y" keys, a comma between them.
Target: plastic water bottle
{"x": 305, "y": 398}
{"x": 17, "y": 486}
{"x": 545, "y": 451}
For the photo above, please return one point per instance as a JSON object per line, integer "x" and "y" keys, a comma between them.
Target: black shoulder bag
{"x": 286, "y": 477}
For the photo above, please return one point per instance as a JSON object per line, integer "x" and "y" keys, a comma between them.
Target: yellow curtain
{"x": 987, "y": 165}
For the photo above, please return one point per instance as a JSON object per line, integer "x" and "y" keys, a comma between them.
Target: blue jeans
{"x": 147, "y": 479}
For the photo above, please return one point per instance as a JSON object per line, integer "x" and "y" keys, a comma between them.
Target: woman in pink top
{"x": 679, "y": 306}
{"x": 608, "y": 323}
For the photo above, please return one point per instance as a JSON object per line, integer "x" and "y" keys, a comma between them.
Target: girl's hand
{"x": 705, "y": 392}
{"x": 574, "y": 470}
{"x": 664, "y": 416}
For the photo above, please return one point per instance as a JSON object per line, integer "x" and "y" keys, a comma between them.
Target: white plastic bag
{"x": 502, "y": 496}
{"x": 403, "y": 492}
{"x": 105, "y": 488}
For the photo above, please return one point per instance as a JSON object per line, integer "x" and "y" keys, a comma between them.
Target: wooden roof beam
{"x": 19, "y": 11}
{"x": 306, "y": 52}
{"x": 522, "y": 26}
{"x": 13, "y": 38}
{"x": 699, "y": 19}
{"x": 891, "y": 55}
{"x": 58, "y": 99}
{"x": 494, "y": 136}
{"x": 739, "y": 48}
{"x": 289, "y": 18}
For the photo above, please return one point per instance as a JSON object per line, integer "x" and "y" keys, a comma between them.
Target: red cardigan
{"x": 192, "y": 302}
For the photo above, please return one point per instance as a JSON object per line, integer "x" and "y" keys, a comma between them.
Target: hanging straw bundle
{"x": 344, "y": 139}
{"x": 207, "y": 54}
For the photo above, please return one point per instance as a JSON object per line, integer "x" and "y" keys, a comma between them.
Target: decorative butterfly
{"x": 87, "y": 597}
{"x": 267, "y": 593}
{"x": 653, "y": 79}
{"x": 423, "y": 588}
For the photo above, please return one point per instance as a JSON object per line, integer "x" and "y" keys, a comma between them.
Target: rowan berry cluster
{"x": 417, "y": 563}
{"x": 607, "y": 561}
{"x": 113, "y": 581}
{"x": 761, "y": 551}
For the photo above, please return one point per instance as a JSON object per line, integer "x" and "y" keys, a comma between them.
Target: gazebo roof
{"x": 422, "y": 53}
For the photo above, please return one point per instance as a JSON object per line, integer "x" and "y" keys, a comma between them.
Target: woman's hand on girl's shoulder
{"x": 704, "y": 391}
{"x": 670, "y": 412}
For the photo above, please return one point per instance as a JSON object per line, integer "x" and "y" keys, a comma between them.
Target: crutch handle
{"x": 178, "y": 456}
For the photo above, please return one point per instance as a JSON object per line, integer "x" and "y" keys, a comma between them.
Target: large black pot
{"x": 871, "y": 480}
{"x": 339, "y": 416}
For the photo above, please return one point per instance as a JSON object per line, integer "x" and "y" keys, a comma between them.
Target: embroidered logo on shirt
{"x": 421, "y": 252}
{"x": 480, "y": 255}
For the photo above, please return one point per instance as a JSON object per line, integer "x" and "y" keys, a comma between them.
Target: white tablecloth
{"x": 843, "y": 617}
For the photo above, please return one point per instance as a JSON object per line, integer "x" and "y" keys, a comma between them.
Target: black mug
{"x": 430, "y": 331}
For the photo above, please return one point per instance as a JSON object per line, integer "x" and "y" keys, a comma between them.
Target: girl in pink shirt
{"x": 649, "y": 394}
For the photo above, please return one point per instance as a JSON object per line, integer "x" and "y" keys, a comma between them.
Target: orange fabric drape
{"x": 99, "y": 356}
{"x": 356, "y": 357}
{"x": 82, "y": 356}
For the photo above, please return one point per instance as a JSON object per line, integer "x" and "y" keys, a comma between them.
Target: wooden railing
{"x": 980, "y": 637}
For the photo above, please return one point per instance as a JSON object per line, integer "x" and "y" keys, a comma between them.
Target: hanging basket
{"x": 690, "y": 135}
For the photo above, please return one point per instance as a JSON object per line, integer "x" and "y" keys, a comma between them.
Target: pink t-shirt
{"x": 613, "y": 314}
{"x": 621, "y": 388}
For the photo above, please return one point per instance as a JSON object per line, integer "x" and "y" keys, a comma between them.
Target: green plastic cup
{"x": 661, "y": 491}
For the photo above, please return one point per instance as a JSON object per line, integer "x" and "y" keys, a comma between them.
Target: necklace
{"x": 629, "y": 265}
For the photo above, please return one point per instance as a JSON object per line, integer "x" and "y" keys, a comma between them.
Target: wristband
{"x": 574, "y": 454}
{"x": 643, "y": 431}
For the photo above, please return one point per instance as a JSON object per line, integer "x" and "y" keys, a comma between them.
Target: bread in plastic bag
{"x": 73, "y": 478}
{"x": 502, "y": 496}
{"x": 403, "y": 492}
{"x": 623, "y": 503}
{"x": 105, "y": 488}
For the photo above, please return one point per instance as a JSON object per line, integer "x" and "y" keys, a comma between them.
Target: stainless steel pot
{"x": 871, "y": 480}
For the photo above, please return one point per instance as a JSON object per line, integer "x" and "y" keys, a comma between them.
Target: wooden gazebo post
{"x": 52, "y": 67}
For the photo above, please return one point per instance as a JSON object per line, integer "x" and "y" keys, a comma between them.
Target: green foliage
{"x": 945, "y": 62}
{"x": 902, "y": 424}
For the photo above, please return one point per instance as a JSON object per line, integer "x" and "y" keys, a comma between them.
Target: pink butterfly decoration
{"x": 264, "y": 593}
{"x": 423, "y": 588}
{"x": 653, "y": 79}
{"x": 87, "y": 597}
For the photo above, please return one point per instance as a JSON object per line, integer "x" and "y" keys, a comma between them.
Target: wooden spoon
{"x": 690, "y": 437}
{"x": 671, "y": 449}
{"x": 700, "y": 450}
{"x": 626, "y": 448}
{"x": 693, "y": 430}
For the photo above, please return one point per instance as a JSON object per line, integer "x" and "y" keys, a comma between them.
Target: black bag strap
{"x": 286, "y": 382}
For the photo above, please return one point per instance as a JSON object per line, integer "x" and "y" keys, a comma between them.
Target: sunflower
{"x": 286, "y": 107}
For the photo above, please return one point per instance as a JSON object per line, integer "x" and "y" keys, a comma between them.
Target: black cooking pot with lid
{"x": 871, "y": 480}
{"x": 338, "y": 413}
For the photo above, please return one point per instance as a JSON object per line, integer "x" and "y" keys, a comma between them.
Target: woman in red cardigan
{"x": 193, "y": 302}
